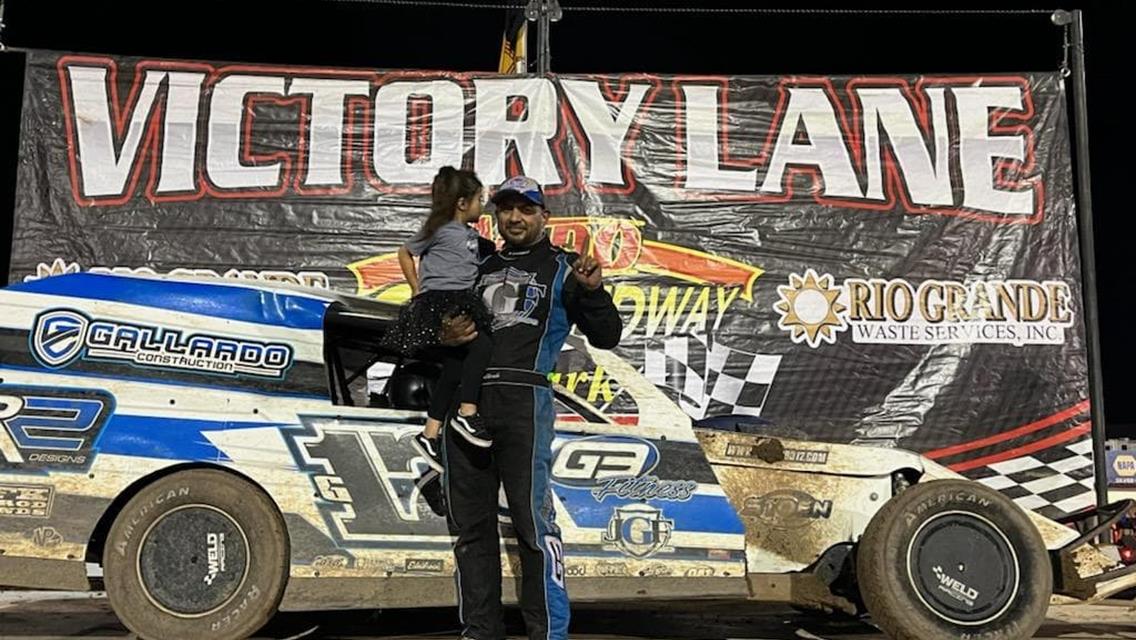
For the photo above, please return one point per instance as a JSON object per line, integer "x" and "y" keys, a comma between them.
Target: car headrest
{"x": 411, "y": 386}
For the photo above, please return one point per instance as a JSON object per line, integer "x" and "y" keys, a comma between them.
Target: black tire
{"x": 198, "y": 554}
{"x": 952, "y": 558}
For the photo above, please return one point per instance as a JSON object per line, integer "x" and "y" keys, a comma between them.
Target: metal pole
{"x": 534, "y": 12}
{"x": 552, "y": 13}
{"x": 545, "y": 51}
{"x": 544, "y": 13}
{"x": 1088, "y": 251}
{"x": 3, "y": 47}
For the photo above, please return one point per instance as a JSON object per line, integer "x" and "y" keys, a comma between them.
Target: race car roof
{"x": 271, "y": 303}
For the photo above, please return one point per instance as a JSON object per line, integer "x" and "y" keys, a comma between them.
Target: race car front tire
{"x": 200, "y": 553}
{"x": 952, "y": 558}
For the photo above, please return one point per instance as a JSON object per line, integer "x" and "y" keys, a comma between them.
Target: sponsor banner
{"x": 1121, "y": 466}
{"x": 885, "y": 260}
{"x": 897, "y": 311}
{"x": 59, "y": 266}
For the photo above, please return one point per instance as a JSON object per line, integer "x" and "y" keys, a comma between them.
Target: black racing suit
{"x": 535, "y": 300}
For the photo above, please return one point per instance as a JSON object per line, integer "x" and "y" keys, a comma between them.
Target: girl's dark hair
{"x": 450, "y": 185}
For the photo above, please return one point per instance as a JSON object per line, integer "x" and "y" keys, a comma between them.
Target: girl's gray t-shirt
{"x": 449, "y": 258}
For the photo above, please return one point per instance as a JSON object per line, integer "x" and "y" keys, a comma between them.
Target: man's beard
{"x": 522, "y": 239}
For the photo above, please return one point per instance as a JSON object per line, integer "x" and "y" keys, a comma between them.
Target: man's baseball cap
{"x": 523, "y": 186}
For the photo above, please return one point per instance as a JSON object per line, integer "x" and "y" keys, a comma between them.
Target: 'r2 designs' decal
{"x": 62, "y": 336}
{"x": 50, "y": 428}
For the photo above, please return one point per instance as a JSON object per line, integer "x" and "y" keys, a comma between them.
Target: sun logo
{"x": 809, "y": 309}
{"x": 57, "y": 268}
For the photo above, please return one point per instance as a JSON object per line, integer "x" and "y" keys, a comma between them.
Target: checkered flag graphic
{"x": 1054, "y": 482}
{"x": 708, "y": 377}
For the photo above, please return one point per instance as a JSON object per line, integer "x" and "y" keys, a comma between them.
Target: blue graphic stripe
{"x": 544, "y": 517}
{"x": 702, "y": 513}
{"x": 167, "y": 438}
{"x": 232, "y": 302}
{"x": 556, "y": 326}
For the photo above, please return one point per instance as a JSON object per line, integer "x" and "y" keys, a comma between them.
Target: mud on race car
{"x": 214, "y": 447}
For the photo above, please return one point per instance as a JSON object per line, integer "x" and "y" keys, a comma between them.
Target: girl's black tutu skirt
{"x": 419, "y": 322}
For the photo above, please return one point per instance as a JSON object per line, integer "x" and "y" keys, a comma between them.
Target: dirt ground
{"x": 34, "y": 615}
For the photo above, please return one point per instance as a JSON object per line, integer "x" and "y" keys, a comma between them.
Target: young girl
{"x": 449, "y": 252}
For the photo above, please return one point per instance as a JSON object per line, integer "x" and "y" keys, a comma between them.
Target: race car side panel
{"x": 632, "y": 511}
{"x": 772, "y": 478}
{"x": 151, "y": 389}
{"x": 59, "y": 494}
{"x": 344, "y": 478}
{"x": 795, "y": 498}
{"x": 99, "y": 391}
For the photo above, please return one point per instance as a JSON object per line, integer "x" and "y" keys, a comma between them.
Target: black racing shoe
{"x": 430, "y": 487}
{"x": 428, "y": 447}
{"x": 472, "y": 428}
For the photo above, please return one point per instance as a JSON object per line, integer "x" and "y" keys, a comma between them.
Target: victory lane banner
{"x": 884, "y": 260}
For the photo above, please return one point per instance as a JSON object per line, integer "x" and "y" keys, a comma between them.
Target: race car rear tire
{"x": 196, "y": 554}
{"x": 952, "y": 558}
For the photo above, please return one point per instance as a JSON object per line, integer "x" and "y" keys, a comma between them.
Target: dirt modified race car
{"x": 214, "y": 447}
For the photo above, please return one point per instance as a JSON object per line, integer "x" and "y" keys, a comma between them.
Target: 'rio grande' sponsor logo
{"x": 814, "y": 310}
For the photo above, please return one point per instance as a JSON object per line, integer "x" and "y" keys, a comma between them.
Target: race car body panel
{"x": 141, "y": 376}
{"x": 108, "y": 383}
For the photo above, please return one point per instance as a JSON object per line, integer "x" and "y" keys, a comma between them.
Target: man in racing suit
{"x": 536, "y": 292}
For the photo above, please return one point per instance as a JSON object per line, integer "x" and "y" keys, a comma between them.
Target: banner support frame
{"x": 3, "y": 47}
{"x": 1073, "y": 22}
{"x": 544, "y": 13}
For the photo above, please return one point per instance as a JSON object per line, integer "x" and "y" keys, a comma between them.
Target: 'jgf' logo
{"x": 639, "y": 530}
